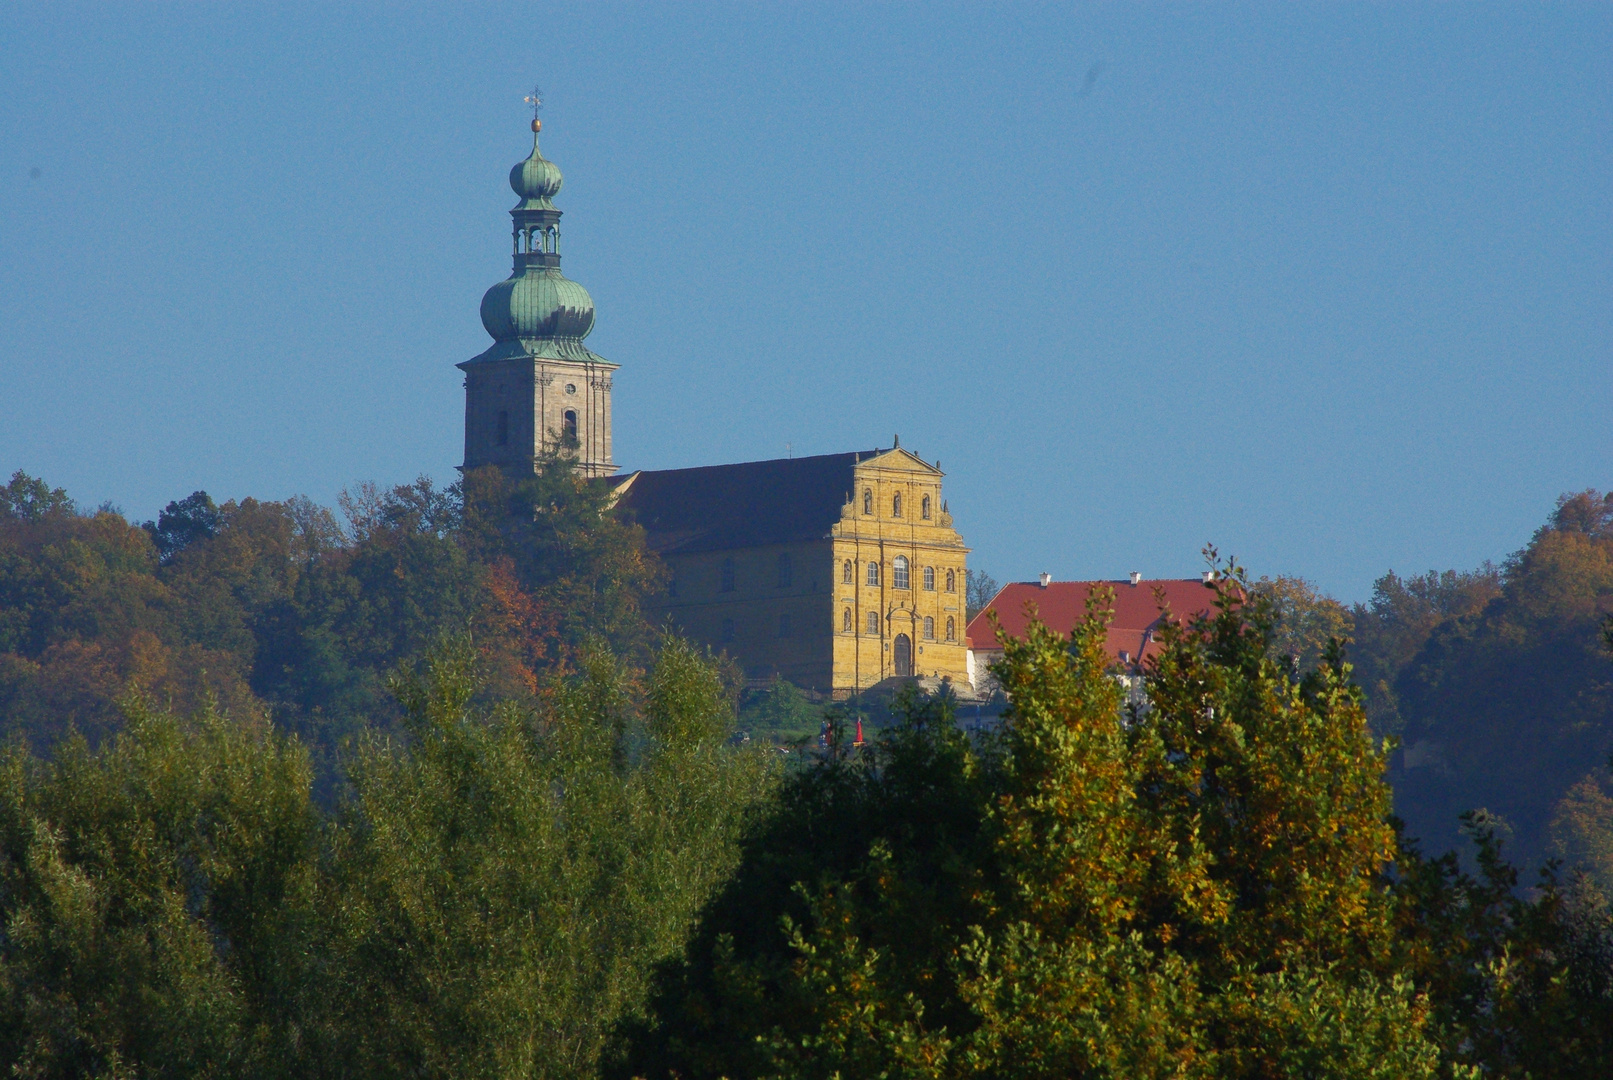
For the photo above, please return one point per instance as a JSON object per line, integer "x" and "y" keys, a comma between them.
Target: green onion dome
{"x": 538, "y": 304}
{"x": 537, "y": 179}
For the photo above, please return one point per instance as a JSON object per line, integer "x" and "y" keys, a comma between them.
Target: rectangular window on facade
{"x": 929, "y": 628}
{"x": 873, "y": 624}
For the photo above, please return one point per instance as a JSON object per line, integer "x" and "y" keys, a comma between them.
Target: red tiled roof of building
{"x": 1062, "y": 604}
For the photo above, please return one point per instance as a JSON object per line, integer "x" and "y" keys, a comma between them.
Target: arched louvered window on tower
{"x": 568, "y": 427}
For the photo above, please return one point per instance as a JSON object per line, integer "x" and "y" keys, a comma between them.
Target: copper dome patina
{"x": 537, "y": 311}
{"x": 537, "y": 179}
{"x": 538, "y": 304}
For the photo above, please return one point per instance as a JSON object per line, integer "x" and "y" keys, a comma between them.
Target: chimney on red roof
{"x": 1209, "y": 577}
{"x": 1136, "y": 578}
{"x": 1047, "y": 579}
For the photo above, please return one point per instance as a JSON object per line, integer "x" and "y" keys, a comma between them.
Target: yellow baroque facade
{"x": 835, "y": 572}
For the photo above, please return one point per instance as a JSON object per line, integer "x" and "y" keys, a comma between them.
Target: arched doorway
{"x": 904, "y": 655}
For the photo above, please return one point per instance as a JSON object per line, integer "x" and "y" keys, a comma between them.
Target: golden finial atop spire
{"x": 535, "y": 99}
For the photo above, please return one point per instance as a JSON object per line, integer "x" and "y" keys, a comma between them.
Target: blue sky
{"x": 1329, "y": 286}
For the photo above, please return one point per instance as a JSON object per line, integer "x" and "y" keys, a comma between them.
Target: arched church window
{"x": 952, "y": 628}
{"x": 868, "y": 500}
{"x": 568, "y": 427}
{"x": 929, "y": 628}
{"x": 873, "y": 624}
{"x": 896, "y": 505}
{"x": 503, "y": 427}
{"x": 924, "y": 508}
{"x": 845, "y": 621}
{"x": 873, "y": 573}
{"x": 727, "y": 576}
{"x": 847, "y": 575}
{"x": 786, "y": 570}
{"x": 899, "y": 572}
{"x": 929, "y": 579}
{"x": 952, "y": 582}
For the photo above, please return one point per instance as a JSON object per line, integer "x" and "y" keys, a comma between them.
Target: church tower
{"x": 538, "y": 388}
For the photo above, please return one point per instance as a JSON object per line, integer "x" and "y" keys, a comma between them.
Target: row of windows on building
{"x": 873, "y": 626}
{"x": 896, "y": 504}
{"x": 901, "y": 575}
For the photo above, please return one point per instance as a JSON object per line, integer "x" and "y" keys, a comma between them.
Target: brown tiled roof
{"x": 743, "y": 505}
{"x": 1062, "y": 604}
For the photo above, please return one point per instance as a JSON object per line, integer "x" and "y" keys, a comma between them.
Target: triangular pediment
{"x": 899, "y": 459}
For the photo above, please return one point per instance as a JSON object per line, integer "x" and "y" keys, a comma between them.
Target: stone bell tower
{"x": 538, "y": 388}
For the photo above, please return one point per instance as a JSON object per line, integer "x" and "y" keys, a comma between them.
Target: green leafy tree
{"x": 27, "y": 498}
{"x": 1511, "y": 707}
{"x": 491, "y": 898}
{"x": 508, "y": 880}
{"x": 1582, "y": 828}
{"x": 157, "y": 899}
{"x": 782, "y": 711}
{"x": 1397, "y": 622}
{"x": 1193, "y": 889}
{"x": 1520, "y": 983}
{"x": 568, "y": 550}
{"x": 182, "y": 523}
{"x": 1306, "y": 620}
